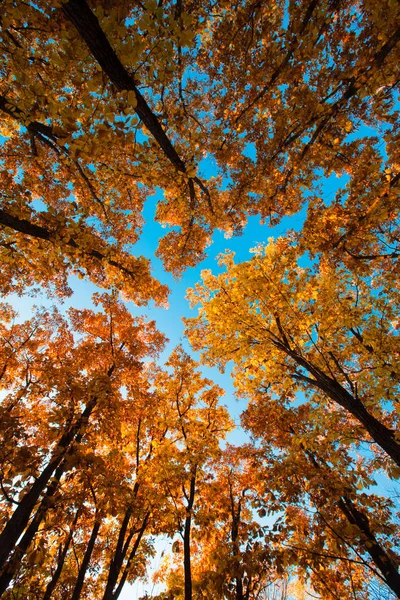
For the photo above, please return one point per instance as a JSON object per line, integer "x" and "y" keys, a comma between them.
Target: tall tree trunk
{"x": 88, "y": 27}
{"x": 118, "y": 557}
{"x": 382, "y": 435}
{"x": 60, "y": 560}
{"x": 132, "y": 555}
{"x": 235, "y": 514}
{"x": 378, "y": 554}
{"x": 86, "y": 559}
{"x": 371, "y": 545}
{"x": 11, "y": 567}
{"x": 121, "y": 547}
{"x": 186, "y": 539}
{"x": 20, "y": 518}
{"x": 239, "y": 588}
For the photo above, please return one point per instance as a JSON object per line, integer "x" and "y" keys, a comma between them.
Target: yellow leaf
{"x": 132, "y": 101}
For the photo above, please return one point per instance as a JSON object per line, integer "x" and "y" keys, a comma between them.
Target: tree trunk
{"x": 11, "y": 567}
{"x": 87, "y": 25}
{"x": 382, "y": 435}
{"x": 60, "y": 561}
{"x": 118, "y": 557}
{"x": 20, "y": 518}
{"x": 239, "y": 588}
{"x": 86, "y": 560}
{"x": 186, "y": 540}
{"x": 371, "y": 545}
{"x": 121, "y": 549}
{"x": 132, "y": 555}
{"x": 235, "y": 542}
{"x": 379, "y": 556}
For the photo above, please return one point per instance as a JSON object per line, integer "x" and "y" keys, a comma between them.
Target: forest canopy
{"x": 217, "y": 112}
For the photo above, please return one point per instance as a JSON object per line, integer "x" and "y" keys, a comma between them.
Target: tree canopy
{"x": 223, "y": 111}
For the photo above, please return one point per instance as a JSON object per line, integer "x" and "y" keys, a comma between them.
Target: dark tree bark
{"x": 20, "y": 518}
{"x": 37, "y": 231}
{"x": 382, "y": 435}
{"x": 121, "y": 548}
{"x": 380, "y": 557}
{"x": 186, "y": 538}
{"x": 235, "y": 514}
{"x": 11, "y": 567}
{"x": 34, "y": 127}
{"x": 132, "y": 555}
{"x": 87, "y": 25}
{"x": 371, "y": 545}
{"x": 119, "y": 555}
{"x": 86, "y": 559}
{"x": 62, "y": 553}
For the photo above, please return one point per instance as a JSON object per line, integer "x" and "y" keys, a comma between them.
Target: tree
{"x": 94, "y": 485}
{"x": 74, "y": 389}
{"x": 197, "y": 423}
{"x": 229, "y": 110}
{"x": 333, "y": 518}
{"x": 319, "y": 330}
{"x": 164, "y": 86}
{"x": 232, "y": 561}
